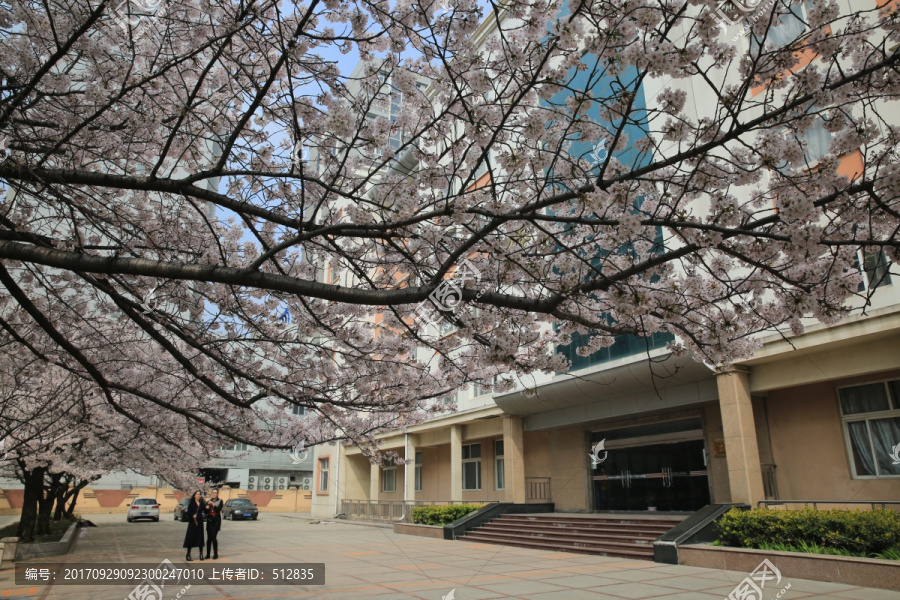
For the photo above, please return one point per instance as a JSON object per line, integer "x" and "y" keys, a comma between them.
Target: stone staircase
{"x": 625, "y": 535}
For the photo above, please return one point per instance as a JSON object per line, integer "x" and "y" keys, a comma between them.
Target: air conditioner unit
{"x": 268, "y": 484}
{"x": 282, "y": 483}
{"x": 252, "y": 484}
{"x": 307, "y": 482}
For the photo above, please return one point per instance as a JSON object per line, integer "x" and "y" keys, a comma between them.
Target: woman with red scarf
{"x": 213, "y": 523}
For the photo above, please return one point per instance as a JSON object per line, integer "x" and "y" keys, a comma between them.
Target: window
{"x": 396, "y": 138}
{"x": 323, "y": 475}
{"x": 815, "y": 143}
{"x": 389, "y": 479}
{"x": 485, "y": 387}
{"x": 877, "y": 270}
{"x": 298, "y": 410}
{"x": 471, "y": 467}
{"x": 871, "y": 416}
{"x": 786, "y": 30}
{"x": 418, "y": 481}
{"x": 239, "y": 447}
{"x": 499, "y": 474}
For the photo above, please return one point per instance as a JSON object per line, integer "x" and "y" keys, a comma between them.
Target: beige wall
{"x": 436, "y": 463}
{"x": 291, "y": 500}
{"x": 355, "y": 480}
{"x": 809, "y": 446}
{"x": 435, "y": 473}
{"x": 563, "y": 456}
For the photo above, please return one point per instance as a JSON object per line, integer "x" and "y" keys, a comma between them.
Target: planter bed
{"x": 429, "y": 531}
{"x": 39, "y": 550}
{"x": 851, "y": 570}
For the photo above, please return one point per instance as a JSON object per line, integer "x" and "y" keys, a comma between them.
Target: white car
{"x": 143, "y": 508}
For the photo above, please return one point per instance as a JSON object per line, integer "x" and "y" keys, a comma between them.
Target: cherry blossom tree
{"x": 59, "y": 435}
{"x": 180, "y": 174}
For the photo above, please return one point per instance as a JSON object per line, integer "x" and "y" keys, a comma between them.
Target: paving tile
{"x": 821, "y": 587}
{"x": 518, "y": 586}
{"x": 867, "y": 594}
{"x": 368, "y": 563}
{"x": 638, "y": 590}
{"x": 692, "y": 596}
{"x": 580, "y": 581}
{"x": 687, "y": 583}
{"x": 586, "y": 594}
{"x": 636, "y": 574}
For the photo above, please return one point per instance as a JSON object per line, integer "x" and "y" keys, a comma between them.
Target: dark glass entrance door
{"x": 670, "y": 477}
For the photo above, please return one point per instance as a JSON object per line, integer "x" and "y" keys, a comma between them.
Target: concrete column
{"x": 741, "y": 447}
{"x": 456, "y": 433}
{"x": 514, "y": 459}
{"x": 374, "y": 482}
{"x": 409, "y": 470}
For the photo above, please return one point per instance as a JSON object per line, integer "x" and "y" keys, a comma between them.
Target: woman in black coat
{"x": 213, "y": 523}
{"x": 194, "y": 536}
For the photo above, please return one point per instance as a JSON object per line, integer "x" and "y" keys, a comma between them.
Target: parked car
{"x": 143, "y": 508}
{"x": 180, "y": 511}
{"x": 239, "y": 508}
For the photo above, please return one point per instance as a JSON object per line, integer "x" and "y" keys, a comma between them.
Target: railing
{"x": 537, "y": 490}
{"x": 398, "y": 511}
{"x": 815, "y": 503}
{"x": 770, "y": 484}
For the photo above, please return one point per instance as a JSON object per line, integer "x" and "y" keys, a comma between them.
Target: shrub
{"x": 860, "y": 532}
{"x": 441, "y": 515}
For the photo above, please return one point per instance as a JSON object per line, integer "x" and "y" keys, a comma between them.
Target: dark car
{"x": 240, "y": 508}
{"x": 181, "y": 510}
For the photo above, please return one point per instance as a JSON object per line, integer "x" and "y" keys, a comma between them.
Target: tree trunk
{"x": 45, "y": 505}
{"x": 70, "y": 512}
{"x": 59, "y": 497}
{"x": 34, "y": 489}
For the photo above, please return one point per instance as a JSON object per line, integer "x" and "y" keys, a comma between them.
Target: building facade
{"x": 636, "y": 428}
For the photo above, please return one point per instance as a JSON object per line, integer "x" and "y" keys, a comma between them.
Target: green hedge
{"x": 861, "y": 532}
{"x": 441, "y": 515}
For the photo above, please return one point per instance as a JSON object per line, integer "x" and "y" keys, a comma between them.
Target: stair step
{"x": 567, "y": 539}
{"x": 599, "y": 527}
{"x": 625, "y": 536}
{"x": 595, "y": 520}
{"x": 555, "y": 532}
{"x": 586, "y": 525}
{"x": 592, "y": 549}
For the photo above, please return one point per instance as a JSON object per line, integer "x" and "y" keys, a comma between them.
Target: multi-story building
{"x": 812, "y": 416}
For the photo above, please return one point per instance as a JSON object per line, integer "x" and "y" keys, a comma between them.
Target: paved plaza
{"x": 374, "y": 563}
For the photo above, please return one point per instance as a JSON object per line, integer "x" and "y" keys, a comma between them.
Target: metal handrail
{"x": 815, "y": 503}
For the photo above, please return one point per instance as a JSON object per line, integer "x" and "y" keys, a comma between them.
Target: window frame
{"x": 756, "y": 46}
{"x": 865, "y": 417}
{"x": 417, "y": 471}
{"x": 322, "y": 487}
{"x": 471, "y": 460}
{"x": 384, "y": 479}
{"x": 882, "y": 262}
{"x": 499, "y": 466}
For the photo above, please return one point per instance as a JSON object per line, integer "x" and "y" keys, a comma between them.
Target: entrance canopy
{"x": 614, "y": 389}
